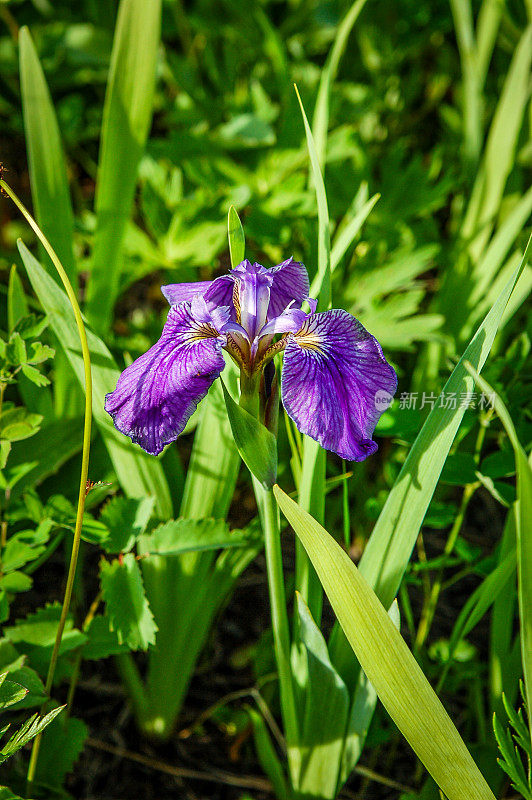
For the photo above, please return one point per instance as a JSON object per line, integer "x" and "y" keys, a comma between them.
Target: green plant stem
{"x": 271, "y": 526}
{"x": 269, "y": 515}
{"x": 76, "y": 670}
{"x": 84, "y": 460}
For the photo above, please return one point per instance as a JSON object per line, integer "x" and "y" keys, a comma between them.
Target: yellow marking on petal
{"x": 263, "y": 357}
{"x": 203, "y": 332}
{"x": 236, "y": 301}
{"x": 310, "y": 341}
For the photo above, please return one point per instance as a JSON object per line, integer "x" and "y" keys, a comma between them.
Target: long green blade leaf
{"x": 320, "y": 122}
{"x": 312, "y": 483}
{"x": 48, "y": 176}
{"x": 126, "y": 122}
{"x": 385, "y": 658}
{"x": 256, "y": 444}
{"x": 321, "y": 286}
{"x": 500, "y": 148}
{"x": 237, "y": 240}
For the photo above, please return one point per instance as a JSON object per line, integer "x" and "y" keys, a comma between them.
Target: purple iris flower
{"x": 335, "y": 381}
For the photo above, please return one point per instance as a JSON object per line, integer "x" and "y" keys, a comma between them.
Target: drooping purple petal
{"x": 336, "y": 383}
{"x": 177, "y": 293}
{"x": 290, "y": 283}
{"x": 218, "y": 292}
{"x": 156, "y": 395}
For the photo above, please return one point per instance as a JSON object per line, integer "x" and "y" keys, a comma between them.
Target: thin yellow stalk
{"x": 84, "y": 461}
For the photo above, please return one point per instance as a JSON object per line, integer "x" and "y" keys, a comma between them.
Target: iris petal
{"x": 290, "y": 283}
{"x": 157, "y": 394}
{"x": 336, "y": 383}
{"x": 180, "y": 292}
{"x": 218, "y": 292}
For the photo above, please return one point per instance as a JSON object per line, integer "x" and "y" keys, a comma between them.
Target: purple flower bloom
{"x": 335, "y": 381}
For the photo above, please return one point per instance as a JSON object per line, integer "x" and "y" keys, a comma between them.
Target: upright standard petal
{"x": 290, "y": 284}
{"x": 156, "y": 395}
{"x": 336, "y": 383}
{"x": 254, "y": 282}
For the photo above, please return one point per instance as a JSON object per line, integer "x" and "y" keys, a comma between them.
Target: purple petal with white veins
{"x": 157, "y": 394}
{"x": 180, "y": 292}
{"x": 218, "y": 292}
{"x": 290, "y": 283}
{"x": 336, "y": 383}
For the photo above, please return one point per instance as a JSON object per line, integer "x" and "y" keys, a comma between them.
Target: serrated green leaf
{"x": 34, "y": 375}
{"x": 60, "y": 748}
{"x": 16, "y": 349}
{"x": 126, "y": 519}
{"x": 19, "y": 423}
{"x": 13, "y": 663}
{"x": 25, "y": 546}
{"x": 16, "y": 582}
{"x": 101, "y": 640}
{"x": 385, "y": 658}
{"x": 255, "y": 443}
{"x": 40, "y": 629}
{"x": 40, "y": 352}
{"x": 26, "y": 732}
{"x": 10, "y": 692}
{"x": 510, "y": 762}
{"x": 127, "y": 607}
{"x": 31, "y": 326}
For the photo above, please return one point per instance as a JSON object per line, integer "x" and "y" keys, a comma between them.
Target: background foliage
{"x": 426, "y": 166}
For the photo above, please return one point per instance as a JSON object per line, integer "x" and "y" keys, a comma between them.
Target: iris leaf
{"x": 255, "y": 443}
{"x": 404, "y": 690}
{"x": 126, "y": 122}
{"x": 48, "y": 176}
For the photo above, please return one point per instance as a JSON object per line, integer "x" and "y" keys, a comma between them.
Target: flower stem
{"x": 269, "y": 515}
{"x": 270, "y": 521}
{"x": 84, "y": 460}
